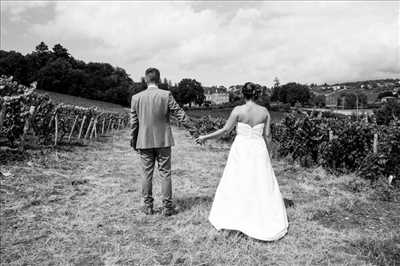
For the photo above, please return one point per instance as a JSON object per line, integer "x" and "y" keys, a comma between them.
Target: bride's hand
{"x": 269, "y": 139}
{"x": 200, "y": 140}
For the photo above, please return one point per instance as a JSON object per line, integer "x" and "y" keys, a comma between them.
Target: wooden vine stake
{"x": 95, "y": 130}
{"x": 102, "y": 127}
{"x": 26, "y": 127}
{"x": 112, "y": 128}
{"x": 80, "y": 130}
{"x": 330, "y": 135}
{"x": 56, "y": 129}
{"x": 51, "y": 121}
{"x": 73, "y": 127}
{"x": 2, "y": 113}
{"x": 375, "y": 147}
{"x": 109, "y": 126}
{"x": 88, "y": 129}
{"x": 92, "y": 132}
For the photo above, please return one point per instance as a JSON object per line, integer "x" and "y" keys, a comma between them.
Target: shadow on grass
{"x": 366, "y": 216}
{"x": 188, "y": 203}
{"x": 378, "y": 252}
{"x": 9, "y": 156}
{"x": 288, "y": 203}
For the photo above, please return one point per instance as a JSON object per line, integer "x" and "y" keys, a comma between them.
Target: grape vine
{"x": 20, "y": 104}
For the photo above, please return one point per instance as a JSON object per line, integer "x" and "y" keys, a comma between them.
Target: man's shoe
{"x": 148, "y": 210}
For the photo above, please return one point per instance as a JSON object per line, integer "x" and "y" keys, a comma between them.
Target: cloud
{"x": 15, "y": 9}
{"x": 296, "y": 41}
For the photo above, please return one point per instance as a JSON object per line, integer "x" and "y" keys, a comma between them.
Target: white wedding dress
{"x": 248, "y": 198}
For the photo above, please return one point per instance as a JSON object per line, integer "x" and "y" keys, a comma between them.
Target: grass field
{"x": 80, "y": 101}
{"x": 80, "y": 206}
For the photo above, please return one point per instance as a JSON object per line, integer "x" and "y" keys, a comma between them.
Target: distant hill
{"x": 371, "y": 88}
{"x": 378, "y": 83}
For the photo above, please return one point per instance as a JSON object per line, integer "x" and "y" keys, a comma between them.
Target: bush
{"x": 386, "y": 161}
{"x": 208, "y": 124}
{"x": 305, "y": 139}
{"x": 348, "y": 149}
{"x": 388, "y": 112}
{"x": 300, "y": 138}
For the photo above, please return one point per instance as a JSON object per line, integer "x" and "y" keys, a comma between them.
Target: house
{"x": 332, "y": 99}
{"x": 388, "y": 99}
{"x": 216, "y": 95}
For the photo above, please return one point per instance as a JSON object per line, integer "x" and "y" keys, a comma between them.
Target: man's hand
{"x": 269, "y": 139}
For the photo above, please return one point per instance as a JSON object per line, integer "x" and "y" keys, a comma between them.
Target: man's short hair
{"x": 153, "y": 75}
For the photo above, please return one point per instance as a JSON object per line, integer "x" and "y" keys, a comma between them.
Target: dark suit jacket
{"x": 150, "y": 118}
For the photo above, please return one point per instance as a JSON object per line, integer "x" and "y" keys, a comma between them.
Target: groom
{"x": 152, "y": 137}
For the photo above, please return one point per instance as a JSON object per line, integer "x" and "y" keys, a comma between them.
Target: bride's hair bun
{"x": 249, "y": 91}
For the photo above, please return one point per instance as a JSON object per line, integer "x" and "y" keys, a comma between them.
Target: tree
{"x": 352, "y": 100}
{"x": 234, "y": 96}
{"x": 42, "y": 48}
{"x": 264, "y": 100}
{"x": 385, "y": 94}
{"x": 60, "y": 51}
{"x": 14, "y": 64}
{"x": 388, "y": 112}
{"x": 275, "y": 90}
{"x": 291, "y": 93}
{"x": 349, "y": 99}
{"x": 319, "y": 101}
{"x": 164, "y": 84}
{"x": 362, "y": 99}
{"x": 55, "y": 76}
{"x": 189, "y": 91}
{"x": 58, "y": 71}
{"x": 276, "y": 82}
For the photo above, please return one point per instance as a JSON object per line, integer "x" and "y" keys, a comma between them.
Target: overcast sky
{"x": 217, "y": 43}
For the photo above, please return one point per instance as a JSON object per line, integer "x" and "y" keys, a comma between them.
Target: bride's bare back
{"x": 252, "y": 114}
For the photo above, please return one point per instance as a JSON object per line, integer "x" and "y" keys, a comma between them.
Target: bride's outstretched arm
{"x": 229, "y": 125}
{"x": 267, "y": 129}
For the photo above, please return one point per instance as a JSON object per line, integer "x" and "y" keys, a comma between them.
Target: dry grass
{"x": 80, "y": 206}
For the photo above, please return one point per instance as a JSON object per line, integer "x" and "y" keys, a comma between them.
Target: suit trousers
{"x": 148, "y": 158}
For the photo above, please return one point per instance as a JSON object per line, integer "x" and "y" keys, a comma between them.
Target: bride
{"x": 248, "y": 198}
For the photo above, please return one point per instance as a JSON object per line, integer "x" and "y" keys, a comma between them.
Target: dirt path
{"x": 80, "y": 206}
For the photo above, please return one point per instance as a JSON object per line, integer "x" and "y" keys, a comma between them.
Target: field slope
{"x": 80, "y": 101}
{"x": 80, "y": 206}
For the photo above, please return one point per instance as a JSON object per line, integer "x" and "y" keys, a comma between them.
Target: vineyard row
{"x": 338, "y": 144}
{"x": 26, "y": 116}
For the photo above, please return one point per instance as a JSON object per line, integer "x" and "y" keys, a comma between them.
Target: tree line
{"x": 57, "y": 70}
